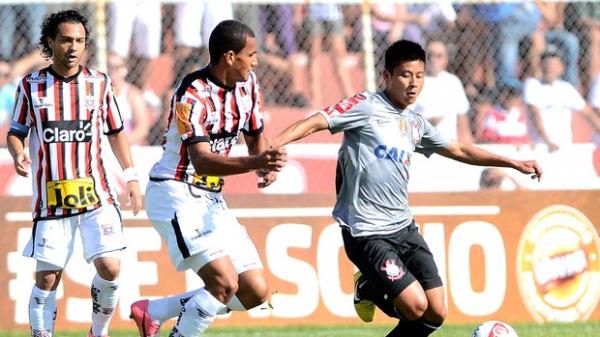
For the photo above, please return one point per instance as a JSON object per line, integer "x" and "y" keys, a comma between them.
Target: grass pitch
{"x": 589, "y": 329}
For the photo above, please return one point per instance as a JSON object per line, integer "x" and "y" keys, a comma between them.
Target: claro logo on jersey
{"x": 558, "y": 266}
{"x": 67, "y": 131}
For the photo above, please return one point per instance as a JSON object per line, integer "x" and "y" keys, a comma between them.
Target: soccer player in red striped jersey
{"x": 64, "y": 109}
{"x": 211, "y": 108}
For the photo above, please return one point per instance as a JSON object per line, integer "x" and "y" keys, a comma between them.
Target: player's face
{"x": 68, "y": 47}
{"x": 245, "y": 60}
{"x": 405, "y": 83}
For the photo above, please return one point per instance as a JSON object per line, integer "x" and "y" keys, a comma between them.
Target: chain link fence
{"x": 315, "y": 53}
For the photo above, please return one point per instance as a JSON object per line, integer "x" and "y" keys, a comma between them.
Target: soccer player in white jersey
{"x": 381, "y": 132}
{"x": 209, "y": 110}
{"x": 64, "y": 109}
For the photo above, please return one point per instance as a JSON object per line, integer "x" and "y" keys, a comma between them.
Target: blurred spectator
{"x": 443, "y": 100}
{"x": 142, "y": 19}
{"x": 7, "y": 99}
{"x": 494, "y": 178}
{"x": 326, "y": 23}
{"x": 194, "y": 21}
{"x": 281, "y": 56}
{"x": 426, "y": 20}
{"x": 509, "y": 24}
{"x": 551, "y": 31}
{"x": 12, "y": 19}
{"x": 583, "y": 20}
{"x": 551, "y": 102}
{"x": 393, "y": 21}
{"x": 505, "y": 122}
{"x": 593, "y": 115}
{"x": 136, "y": 116}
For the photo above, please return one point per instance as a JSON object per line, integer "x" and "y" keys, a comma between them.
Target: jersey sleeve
{"x": 347, "y": 114}
{"x": 113, "y": 123}
{"x": 190, "y": 115}
{"x": 431, "y": 139}
{"x": 254, "y": 124}
{"x": 21, "y": 116}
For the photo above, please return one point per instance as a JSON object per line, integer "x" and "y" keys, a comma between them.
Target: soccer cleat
{"x": 365, "y": 309}
{"x": 146, "y": 325}
{"x": 90, "y": 334}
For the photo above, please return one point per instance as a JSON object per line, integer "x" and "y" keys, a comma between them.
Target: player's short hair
{"x": 402, "y": 51}
{"x": 227, "y": 35}
{"x": 50, "y": 28}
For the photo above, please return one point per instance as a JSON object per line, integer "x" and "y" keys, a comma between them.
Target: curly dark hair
{"x": 50, "y": 28}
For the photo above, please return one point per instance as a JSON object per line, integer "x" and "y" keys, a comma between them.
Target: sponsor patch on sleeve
{"x": 182, "y": 111}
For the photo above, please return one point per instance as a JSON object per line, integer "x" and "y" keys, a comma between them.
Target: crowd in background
{"x": 497, "y": 72}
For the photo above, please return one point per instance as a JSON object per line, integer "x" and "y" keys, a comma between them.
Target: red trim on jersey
{"x": 183, "y": 163}
{"x": 234, "y": 113}
{"x": 221, "y": 93}
{"x": 57, "y": 116}
{"x": 89, "y": 91}
{"x": 75, "y": 116}
{"x": 26, "y": 107}
{"x": 101, "y": 171}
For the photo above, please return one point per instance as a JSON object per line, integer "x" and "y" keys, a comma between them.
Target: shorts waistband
{"x": 207, "y": 183}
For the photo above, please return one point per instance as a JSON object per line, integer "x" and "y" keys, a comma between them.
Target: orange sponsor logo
{"x": 558, "y": 266}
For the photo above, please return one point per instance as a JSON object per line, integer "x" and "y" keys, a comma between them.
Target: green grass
{"x": 590, "y": 329}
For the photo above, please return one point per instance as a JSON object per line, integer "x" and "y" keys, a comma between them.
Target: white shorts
{"x": 195, "y": 21}
{"x": 197, "y": 223}
{"x": 142, "y": 18}
{"x": 52, "y": 240}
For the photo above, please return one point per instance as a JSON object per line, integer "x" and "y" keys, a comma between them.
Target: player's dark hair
{"x": 403, "y": 51}
{"x": 50, "y": 28}
{"x": 227, "y": 35}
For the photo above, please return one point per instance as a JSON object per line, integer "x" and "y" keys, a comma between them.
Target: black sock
{"x": 418, "y": 328}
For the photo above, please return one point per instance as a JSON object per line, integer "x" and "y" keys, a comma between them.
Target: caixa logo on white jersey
{"x": 67, "y": 131}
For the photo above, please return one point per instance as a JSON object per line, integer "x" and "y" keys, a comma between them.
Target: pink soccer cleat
{"x": 146, "y": 325}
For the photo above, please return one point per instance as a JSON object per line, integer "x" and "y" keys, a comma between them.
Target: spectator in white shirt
{"x": 443, "y": 101}
{"x": 551, "y": 103}
{"x": 593, "y": 115}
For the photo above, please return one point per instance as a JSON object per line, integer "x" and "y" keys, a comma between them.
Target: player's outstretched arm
{"x": 300, "y": 129}
{"x": 120, "y": 147}
{"x": 207, "y": 163}
{"x": 474, "y": 155}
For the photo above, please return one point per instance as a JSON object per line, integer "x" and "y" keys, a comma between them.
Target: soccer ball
{"x": 494, "y": 329}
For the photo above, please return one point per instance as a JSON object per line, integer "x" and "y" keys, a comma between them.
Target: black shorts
{"x": 393, "y": 261}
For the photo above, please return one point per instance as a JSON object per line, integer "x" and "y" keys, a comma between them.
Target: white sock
{"x": 197, "y": 314}
{"x": 42, "y": 312}
{"x": 105, "y": 295}
{"x": 165, "y": 308}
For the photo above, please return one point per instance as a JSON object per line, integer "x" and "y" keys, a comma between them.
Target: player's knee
{"x": 109, "y": 272}
{"x": 415, "y": 309}
{"x": 437, "y": 314}
{"x": 223, "y": 287}
{"x": 258, "y": 294}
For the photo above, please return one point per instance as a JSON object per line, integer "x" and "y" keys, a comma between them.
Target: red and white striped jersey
{"x": 203, "y": 110}
{"x": 64, "y": 119}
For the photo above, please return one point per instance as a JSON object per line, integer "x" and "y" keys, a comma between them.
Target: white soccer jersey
{"x": 202, "y": 110}
{"x": 64, "y": 119}
{"x": 374, "y": 160}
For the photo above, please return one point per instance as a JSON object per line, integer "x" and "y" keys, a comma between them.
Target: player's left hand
{"x": 266, "y": 178}
{"x": 529, "y": 167}
{"x": 134, "y": 195}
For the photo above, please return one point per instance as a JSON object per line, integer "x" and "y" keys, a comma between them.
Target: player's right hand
{"x": 272, "y": 159}
{"x": 22, "y": 164}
